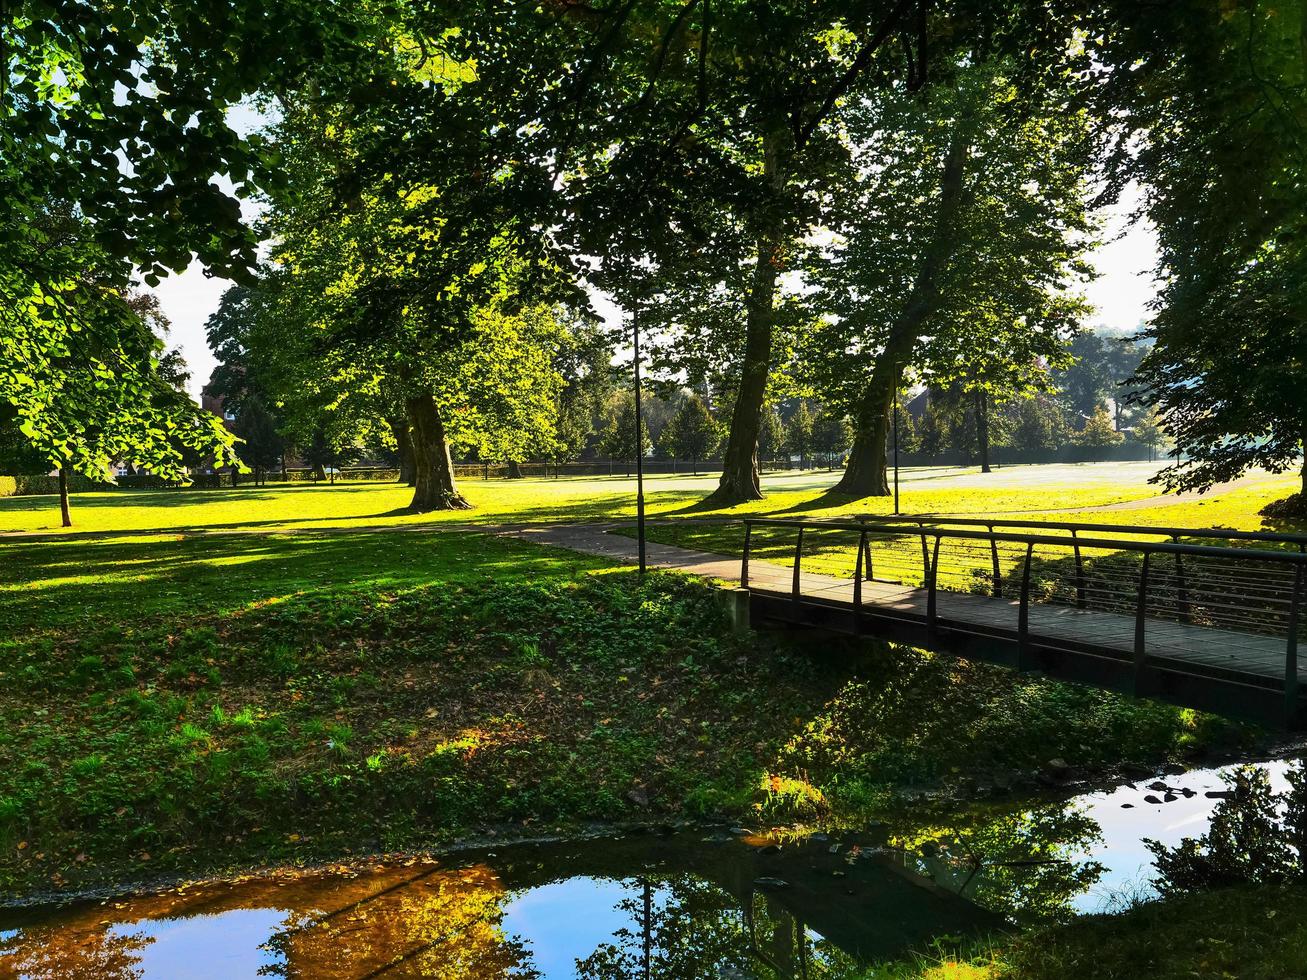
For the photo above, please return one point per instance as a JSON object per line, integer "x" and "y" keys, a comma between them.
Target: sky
{"x": 1120, "y": 294}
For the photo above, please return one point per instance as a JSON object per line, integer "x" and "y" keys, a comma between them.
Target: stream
{"x": 725, "y": 902}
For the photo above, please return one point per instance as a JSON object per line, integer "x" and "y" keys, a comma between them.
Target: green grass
{"x": 834, "y": 553}
{"x": 1011, "y": 490}
{"x": 190, "y": 702}
{"x": 176, "y": 702}
{"x": 1249, "y": 933}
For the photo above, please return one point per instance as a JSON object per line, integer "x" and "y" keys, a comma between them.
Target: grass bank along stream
{"x": 194, "y": 703}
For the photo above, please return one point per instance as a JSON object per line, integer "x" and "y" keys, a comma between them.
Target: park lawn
{"x": 301, "y": 506}
{"x": 835, "y": 553}
{"x": 1253, "y": 933}
{"x": 1237, "y": 508}
{"x": 182, "y": 703}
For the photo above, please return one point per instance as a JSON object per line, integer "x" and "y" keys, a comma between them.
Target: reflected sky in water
{"x": 581, "y": 913}
{"x": 1127, "y": 864}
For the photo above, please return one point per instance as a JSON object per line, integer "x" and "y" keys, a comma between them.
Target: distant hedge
{"x": 32, "y": 484}
{"x": 27, "y": 486}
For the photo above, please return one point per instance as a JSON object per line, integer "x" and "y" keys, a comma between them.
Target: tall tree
{"x": 402, "y": 265}
{"x": 1099, "y": 432}
{"x": 798, "y": 432}
{"x": 1148, "y": 431}
{"x": 619, "y": 439}
{"x": 262, "y": 446}
{"x": 831, "y": 434}
{"x": 727, "y": 138}
{"x": 771, "y": 434}
{"x": 1037, "y": 426}
{"x": 87, "y": 376}
{"x": 984, "y": 187}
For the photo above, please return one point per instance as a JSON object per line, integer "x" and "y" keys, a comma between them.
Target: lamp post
{"x": 639, "y": 441}
{"x": 896, "y": 454}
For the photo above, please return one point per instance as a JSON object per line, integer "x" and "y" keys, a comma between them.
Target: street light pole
{"x": 896, "y": 453}
{"x": 639, "y": 441}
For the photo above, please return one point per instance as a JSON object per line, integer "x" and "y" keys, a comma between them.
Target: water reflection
{"x": 1029, "y": 864}
{"x": 639, "y": 907}
{"x": 1056, "y": 859}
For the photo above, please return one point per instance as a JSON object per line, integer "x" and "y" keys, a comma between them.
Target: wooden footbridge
{"x": 1205, "y": 618}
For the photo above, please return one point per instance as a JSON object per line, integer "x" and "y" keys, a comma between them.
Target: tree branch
{"x": 859, "y": 65}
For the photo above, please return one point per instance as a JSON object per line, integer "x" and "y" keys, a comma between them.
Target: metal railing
{"x": 1076, "y": 527}
{"x": 1253, "y": 592}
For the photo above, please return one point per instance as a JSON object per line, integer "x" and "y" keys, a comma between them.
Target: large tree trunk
{"x": 404, "y": 447}
{"x": 434, "y": 487}
{"x": 1304, "y": 468}
{"x": 63, "y": 497}
{"x": 982, "y": 427}
{"x": 865, "y": 473}
{"x": 515, "y": 470}
{"x": 740, "y": 479}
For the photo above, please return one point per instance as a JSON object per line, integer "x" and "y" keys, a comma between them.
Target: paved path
{"x": 594, "y": 539}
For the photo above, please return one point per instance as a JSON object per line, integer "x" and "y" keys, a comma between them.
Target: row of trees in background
{"x": 1087, "y": 403}
{"x": 830, "y": 201}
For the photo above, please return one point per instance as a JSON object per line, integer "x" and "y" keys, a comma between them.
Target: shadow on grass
{"x": 51, "y": 585}
{"x": 610, "y": 507}
{"x": 828, "y": 500}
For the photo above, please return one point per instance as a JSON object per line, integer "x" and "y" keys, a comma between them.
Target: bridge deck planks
{"x": 1201, "y": 646}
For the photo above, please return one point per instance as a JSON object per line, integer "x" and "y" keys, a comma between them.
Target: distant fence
{"x": 1125, "y": 452}
{"x": 614, "y": 467}
{"x": 43, "y": 484}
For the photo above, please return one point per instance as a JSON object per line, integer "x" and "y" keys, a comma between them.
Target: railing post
{"x": 1140, "y": 612}
{"x": 868, "y": 567}
{"x": 925, "y": 557}
{"x": 1023, "y": 612}
{"x": 933, "y": 589}
{"x": 1181, "y": 586}
{"x": 1080, "y": 571}
{"x": 857, "y": 583}
{"x": 744, "y": 561}
{"x": 998, "y": 573}
{"x": 798, "y": 557}
{"x": 1291, "y": 649}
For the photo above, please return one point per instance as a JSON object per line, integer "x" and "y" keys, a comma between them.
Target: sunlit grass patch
{"x": 363, "y": 505}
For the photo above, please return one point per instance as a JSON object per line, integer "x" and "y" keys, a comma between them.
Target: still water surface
{"x": 710, "y": 903}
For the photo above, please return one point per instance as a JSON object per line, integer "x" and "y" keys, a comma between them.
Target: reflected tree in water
{"x": 444, "y": 925}
{"x": 1019, "y": 863}
{"x": 108, "y": 953}
{"x": 684, "y": 926}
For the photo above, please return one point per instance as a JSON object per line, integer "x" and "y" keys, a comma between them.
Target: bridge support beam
{"x": 737, "y": 609}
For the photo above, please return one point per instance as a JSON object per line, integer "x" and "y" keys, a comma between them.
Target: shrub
{"x": 785, "y": 798}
